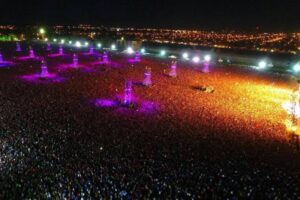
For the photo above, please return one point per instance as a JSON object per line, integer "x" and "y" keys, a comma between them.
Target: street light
{"x": 296, "y": 67}
{"x": 130, "y": 50}
{"x": 262, "y": 64}
{"x": 196, "y": 59}
{"x": 185, "y": 56}
{"x": 162, "y": 52}
{"x": 77, "y": 44}
{"x": 207, "y": 58}
{"x": 42, "y": 31}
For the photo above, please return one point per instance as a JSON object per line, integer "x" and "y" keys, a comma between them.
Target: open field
{"x": 177, "y": 142}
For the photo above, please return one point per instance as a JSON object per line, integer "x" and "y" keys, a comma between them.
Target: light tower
{"x": 44, "y": 69}
{"x": 147, "y": 77}
{"x": 60, "y": 50}
{"x": 49, "y": 47}
{"x": 75, "y": 61}
{"x": 18, "y": 47}
{"x": 137, "y": 57}
{"x": 105, "y": 58}
{"x": 173, "y": 72}
{"x": 1, "y": 58}
{"x": 128, "y": 93}
{"x": 31, "y": 52}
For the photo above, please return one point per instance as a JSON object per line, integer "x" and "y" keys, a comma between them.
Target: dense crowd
{"x": 229, "y": 144}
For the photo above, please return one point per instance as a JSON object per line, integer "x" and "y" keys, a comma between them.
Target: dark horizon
{"x": 211, "y": 15}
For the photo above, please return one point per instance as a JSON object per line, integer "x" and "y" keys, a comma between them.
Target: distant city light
{"x": 296, "y": 67}
{"x": 42, "y": 31}
{"x": 46, "y": 39}
{"x": 196, "y": 59}
{"x": 62, "y": 41}
{"x": 207, "y": 58}
{"x": 70, "y": 42}
{"x": 130, "y": 50}
{"x": 185, "y": 56}
{"x": 262, "y": 64}
{"x": 162, "y": 52}
{"x": 99, "y": 45}
{"x": 143, "y": 50}
{"x": 78, "y": 44}
{"x": 113, "y": 47}
{"x": 86, "y": 44}
{"x": 54, "y": 40}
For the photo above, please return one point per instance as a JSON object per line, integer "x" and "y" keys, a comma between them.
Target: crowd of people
{"x": 229, "y": 144}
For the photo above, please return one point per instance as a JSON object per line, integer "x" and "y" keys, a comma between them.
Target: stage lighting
{"x": 130, "y": 50}
{"x": 262, "y": 64}
{"x": 185, "y": 56}
{"x": 162, "y": 52}
{"x": 207, "y": 58}
{"x": 78, "y": 44}
{"x": 196, "y": 59}
{"x": 296, "y": 67}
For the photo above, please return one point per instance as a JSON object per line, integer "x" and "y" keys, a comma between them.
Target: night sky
{"x": 269, "y": 15}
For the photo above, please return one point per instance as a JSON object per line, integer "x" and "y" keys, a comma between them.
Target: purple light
{"x": 44, "y": 77}
{"x": 6, "y": 64}
{"x": 44, "y": 70}
{"x": 49, "y": 47}
{"x": 139, "y": 106}
{"x": 31, "y": 53}
{"x": 128, "y": 93}
{"x": 206, "y": 67}
{"x": 18, "y": 47}
{"x": 137, "y": 57}
{"x": 75, "y": 65}
{"x": 37, "y": 79}
{"x": 147, "y": 77}
{"x": 75, "y": 61}
{"x": 147, "y": 107}
{"x": 30, "y": 56}
{"x": 60, "y": 50}
{"x": 173, "y": 72}
{"x": 105, "y": 58}
{"x": 91, "y": 50}
{"x": 1, "y": 58}
{"x": 27, "y": 58}
{"x": 105, "y": 103}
